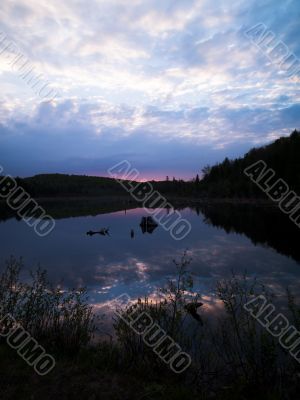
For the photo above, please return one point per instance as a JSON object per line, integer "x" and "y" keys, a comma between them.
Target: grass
{"x": 233, "y": 358}
{"x": 61, "y": 320}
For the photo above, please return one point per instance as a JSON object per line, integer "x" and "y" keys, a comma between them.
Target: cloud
{"x": 91, "y": 136}
{"x": 146, "y": 79}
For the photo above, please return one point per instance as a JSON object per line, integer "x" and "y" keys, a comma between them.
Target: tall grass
{"x": 62, "y": 320}
{"x": 232, "y": 355}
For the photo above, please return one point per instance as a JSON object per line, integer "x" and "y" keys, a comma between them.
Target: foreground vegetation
{"x": 232, "y": 356}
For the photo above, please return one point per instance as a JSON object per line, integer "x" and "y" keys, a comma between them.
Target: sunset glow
{"x": 175, "y": 81}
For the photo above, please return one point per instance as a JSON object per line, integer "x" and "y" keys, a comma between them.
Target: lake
{"x": 225, "y": 238}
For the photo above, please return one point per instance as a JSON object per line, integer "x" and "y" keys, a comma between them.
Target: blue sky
{"x": 170, "y": 85}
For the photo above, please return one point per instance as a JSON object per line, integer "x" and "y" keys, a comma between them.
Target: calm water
{"x": 223, "y": 239}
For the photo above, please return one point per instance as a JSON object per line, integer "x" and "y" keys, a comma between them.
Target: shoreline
{"x": 174, "y": 200}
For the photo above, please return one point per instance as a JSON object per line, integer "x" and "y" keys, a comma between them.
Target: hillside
{"x": 60, "y": 185}
{"x": 224, "y": 180}
{"x": 227, "y": 179}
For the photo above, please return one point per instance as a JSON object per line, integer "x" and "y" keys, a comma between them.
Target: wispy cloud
{"x": 145, "y": 78}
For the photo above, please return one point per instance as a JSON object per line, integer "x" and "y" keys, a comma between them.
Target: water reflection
{"x": 223, "y": 239}
{"x": 267, "y": 226}
{"x": 148, "y": 225}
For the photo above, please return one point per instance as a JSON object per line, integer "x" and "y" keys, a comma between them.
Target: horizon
{"x": 144, "y": 178}
{"x": 104, "y": 176}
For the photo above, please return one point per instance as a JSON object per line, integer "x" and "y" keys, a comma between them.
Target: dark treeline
{"x": 75, "y": 207}
{"x": 59, "y": 185}
{"x": 266, "y": 226}
{"x": 227, "y": 179}
{"x": 223, "y": 180}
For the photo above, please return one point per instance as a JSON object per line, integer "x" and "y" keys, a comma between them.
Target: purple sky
{"x": 169, "y": 85}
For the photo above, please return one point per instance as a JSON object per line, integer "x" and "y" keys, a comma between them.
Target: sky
{"x": 169, "y": 85}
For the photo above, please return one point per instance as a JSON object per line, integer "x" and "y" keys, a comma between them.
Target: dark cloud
{"x": 66, "y": 139}
{"x": 171, "y": 85}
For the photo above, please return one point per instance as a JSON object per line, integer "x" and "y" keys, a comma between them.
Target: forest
{"x": 224, "y": 180}
{"x": 227, "y": 179}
